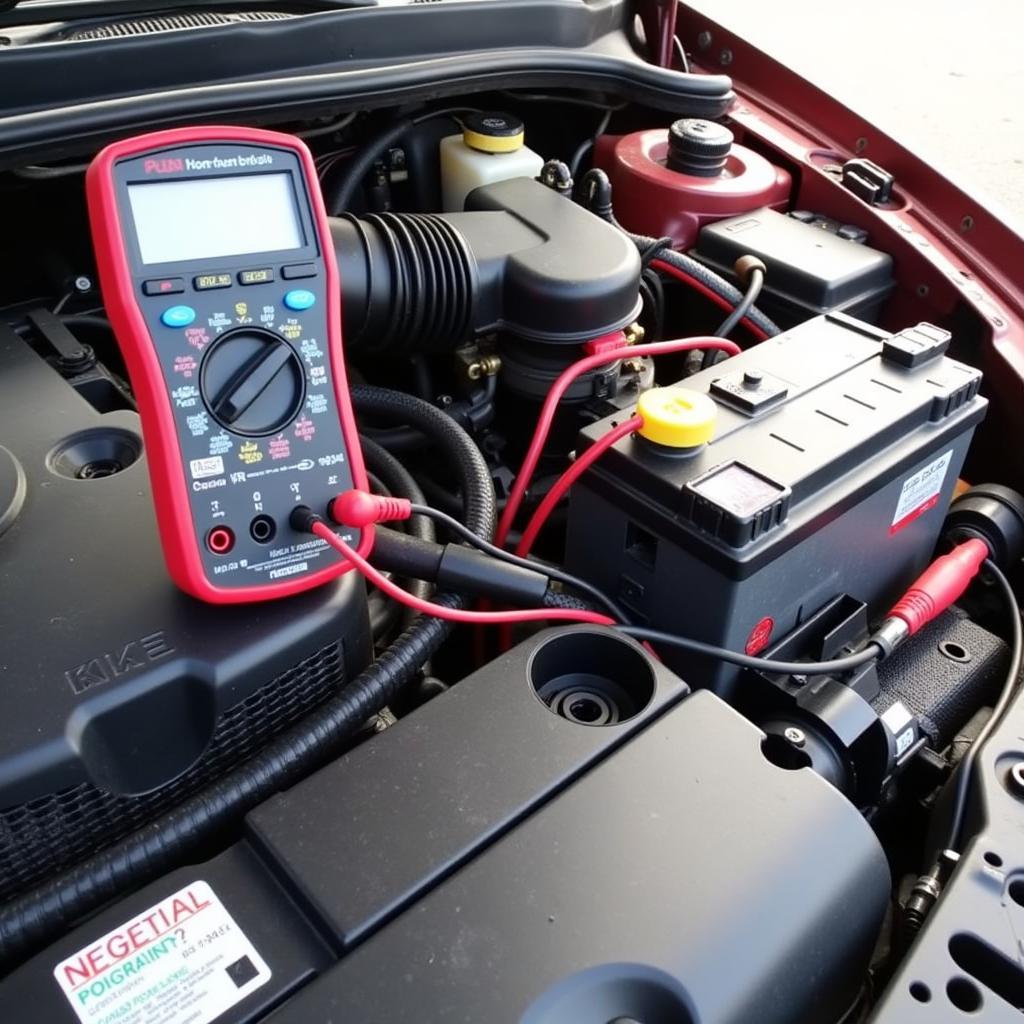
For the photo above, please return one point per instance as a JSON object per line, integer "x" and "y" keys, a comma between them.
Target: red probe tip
{"x": 940, "y": 585}
{"x": 358, "y": 509}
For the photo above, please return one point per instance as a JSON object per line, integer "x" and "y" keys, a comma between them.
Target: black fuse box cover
{"x": 810, "y": 271}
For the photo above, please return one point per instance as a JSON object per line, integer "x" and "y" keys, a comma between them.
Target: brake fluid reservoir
{"x": 491, "y": 148}
{"x": 672, "y": 183}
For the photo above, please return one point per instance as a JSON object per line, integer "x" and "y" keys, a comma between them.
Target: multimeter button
{"x": 204, "y": 282}
{"x": 177, "y": 316}
{"x": 255, "y": 276}
{"x": 299, "y": 298}
{"x": 297, "y": 270}
{"x": 163, "y": 286}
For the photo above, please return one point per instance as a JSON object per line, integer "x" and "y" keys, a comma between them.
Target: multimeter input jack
{"x": 262, "y": 529}
{"x": 220, "y": 540}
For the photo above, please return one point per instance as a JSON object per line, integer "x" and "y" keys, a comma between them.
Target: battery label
{"x": 920, "y": 492}
{"x": 183, "y": 961}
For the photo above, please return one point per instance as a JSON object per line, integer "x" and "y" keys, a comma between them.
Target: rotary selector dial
{"x": 252, "y": 382}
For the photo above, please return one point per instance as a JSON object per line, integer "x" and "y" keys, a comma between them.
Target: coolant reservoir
{"x": 491, "y": 148}
{"x": 672, "y": 183}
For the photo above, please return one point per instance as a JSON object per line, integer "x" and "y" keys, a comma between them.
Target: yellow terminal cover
{"x": 676, "y": 417}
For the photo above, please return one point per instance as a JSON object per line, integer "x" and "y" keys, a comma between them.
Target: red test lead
{"x": 932, "y": 593}
{"x": 357, "y": 509}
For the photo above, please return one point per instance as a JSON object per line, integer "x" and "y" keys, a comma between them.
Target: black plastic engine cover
{"x": 489, "y": 860}
{"x": 682, "y": 880}
{"x": 121, "y": 693}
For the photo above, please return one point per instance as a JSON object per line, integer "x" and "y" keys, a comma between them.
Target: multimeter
{"x": 221, "y": 284}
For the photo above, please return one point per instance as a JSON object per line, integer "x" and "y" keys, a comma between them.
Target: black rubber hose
{"x": 395, "y": 439}
{"x": 340, "y": 195}
{"x": 754, "y": 271}
{"x": 41, "y": 915}
{"x": 712, "y": 281}
{"x": 398, "y": 481}
{"x": 597, "y": 197}
{"x": 754, "y": 284}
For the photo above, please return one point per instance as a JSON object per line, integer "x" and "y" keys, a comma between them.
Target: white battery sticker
{"x": 920, "y": 492}
{"x": 183, "y": 961}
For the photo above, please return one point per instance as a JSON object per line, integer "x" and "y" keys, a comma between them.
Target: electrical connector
{"x": 932, "y": 593}
{"x": 359, "y": 509}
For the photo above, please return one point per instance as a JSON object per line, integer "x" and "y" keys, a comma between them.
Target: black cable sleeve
{"x": 744, "y": 306}
{"x": 412, "y": 557}
{"x": 557, "y": 599}
{"x": 40, "y": 915}
{"x": 597, "y": 596}
{"x": 716, "y": 283}
{"x": 596, "y": 192}
{"x": 464, "y": 568}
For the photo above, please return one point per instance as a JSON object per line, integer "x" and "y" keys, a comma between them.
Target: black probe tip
{"x": 302, "y": 519}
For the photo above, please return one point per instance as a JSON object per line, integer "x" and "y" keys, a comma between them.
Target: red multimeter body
{"x": 220, "y": 280}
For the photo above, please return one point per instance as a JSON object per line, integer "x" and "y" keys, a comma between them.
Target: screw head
{"x": 725, "y": 58}
{"x": 795, "y": 736}
{"x": 704, "y": 40}
{"x": 83, "y": 283}
{"x": 1017, "y": 778}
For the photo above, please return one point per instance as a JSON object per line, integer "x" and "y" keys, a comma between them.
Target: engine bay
{"x": 672, "y": 672}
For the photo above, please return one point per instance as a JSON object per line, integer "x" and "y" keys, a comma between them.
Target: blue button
{"x": 177, "y": 316}
{"x": 299, "y": 298}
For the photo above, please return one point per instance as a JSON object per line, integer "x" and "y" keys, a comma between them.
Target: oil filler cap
{"x": 676, "y": 418}
{"x": 698, "y": 147}
{"x": 493, "y": 132}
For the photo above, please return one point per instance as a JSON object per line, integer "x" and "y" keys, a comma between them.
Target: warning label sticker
{"x": 920, "y": 492}
{"x": 184, "y": 961}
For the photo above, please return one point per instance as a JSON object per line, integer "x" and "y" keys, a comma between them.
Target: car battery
{"x": 835, "y": 451}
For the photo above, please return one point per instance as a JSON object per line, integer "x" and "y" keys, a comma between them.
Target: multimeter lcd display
{"x": 209, "y": 217}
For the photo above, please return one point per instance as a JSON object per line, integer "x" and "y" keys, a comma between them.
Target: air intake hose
{"x": 521, "y": 261}
{"x": 409, "y": 281}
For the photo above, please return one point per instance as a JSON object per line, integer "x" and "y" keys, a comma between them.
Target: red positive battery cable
{"x": 569, "y": 477}
{"x": 590, "y": 362}
{"x": 712, "y": 296}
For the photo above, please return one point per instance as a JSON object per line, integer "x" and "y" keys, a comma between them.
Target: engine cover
{"x": 121, "y": 693}
{"x": 503, "y": 855}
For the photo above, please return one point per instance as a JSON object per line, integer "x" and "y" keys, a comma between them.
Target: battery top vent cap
{"x": 676, "y": 417}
